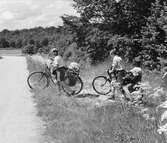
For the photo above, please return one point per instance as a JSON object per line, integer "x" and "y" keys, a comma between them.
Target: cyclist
{"x": 133, "y": 77}
{"x": 117, "y": 64}
{"x": 52, "y": 54}
{"x": 117, "y": 68}
{"x": 57, "y": 67}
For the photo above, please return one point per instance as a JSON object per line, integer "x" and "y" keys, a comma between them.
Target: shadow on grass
{"x": 84, "y": 95}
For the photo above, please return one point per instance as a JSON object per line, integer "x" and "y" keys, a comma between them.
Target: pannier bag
{"x": 71, "y": 78}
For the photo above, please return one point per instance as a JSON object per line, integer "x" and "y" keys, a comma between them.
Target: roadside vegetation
{"x": 87, "y": 119}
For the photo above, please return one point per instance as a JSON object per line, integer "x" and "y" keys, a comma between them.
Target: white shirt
{"x": 136, "y": 71}
{"x": 49, "y": 63}
{"x": 117, "y": 63}
{"x": 74, "y": 65}
{"x": 58, "y": 62}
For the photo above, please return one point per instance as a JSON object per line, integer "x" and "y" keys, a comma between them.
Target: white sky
{"x": 19, "y": 14}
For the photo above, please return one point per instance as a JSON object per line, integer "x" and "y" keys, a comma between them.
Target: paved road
{"x": 18, "y": 120}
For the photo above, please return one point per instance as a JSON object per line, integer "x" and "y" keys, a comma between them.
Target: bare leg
{"x": 58, "y": 81}
{"x": 113, "y": 88}
{"x": 51, "y": 70}
{"x": 127, "y": 93}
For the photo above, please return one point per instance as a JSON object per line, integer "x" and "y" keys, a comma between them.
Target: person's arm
{"x": 164, "y": 75}
{"x": 113, "y": 65}
{"x": 55, "y": 63}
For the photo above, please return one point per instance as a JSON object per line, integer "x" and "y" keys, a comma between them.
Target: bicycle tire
{"x": 97, "y": 79}
{"x": 41, "y": 80}
{"x": 66, "y": 87}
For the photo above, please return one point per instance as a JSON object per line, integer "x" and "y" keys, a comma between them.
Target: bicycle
{"x": 42, "y": 79}
{"x": 104, "y": 84}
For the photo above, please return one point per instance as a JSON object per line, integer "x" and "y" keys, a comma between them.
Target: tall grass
{"x": 75, "y": 120}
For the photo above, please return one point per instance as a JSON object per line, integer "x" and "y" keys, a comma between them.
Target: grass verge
{"x": 72, "y": 120}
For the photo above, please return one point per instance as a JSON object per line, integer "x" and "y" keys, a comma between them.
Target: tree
{"x": 19, "y": 43}
{"x": 123, "y": 17}
{"x": 4, "y": 43}
{"x": 31, "y": 42}
{"x": 45, "y": 42}
{"x": 12, "y": 44}
{"x": 28, "y": 49}
{"x": 153, "y": 35}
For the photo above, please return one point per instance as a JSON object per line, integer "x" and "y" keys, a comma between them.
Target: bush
{"x": 28, "y": 49}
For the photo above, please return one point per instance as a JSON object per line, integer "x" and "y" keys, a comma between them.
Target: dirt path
{"x": 18, "y": 120}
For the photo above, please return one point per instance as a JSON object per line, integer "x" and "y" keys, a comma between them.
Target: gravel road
{"x": 18, "y": 120}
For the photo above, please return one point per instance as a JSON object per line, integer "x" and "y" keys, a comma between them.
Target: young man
{"x": 117, "y": 64}
{"x": 116, "y": 68}
{"x": 52, "y": 54}
{"x": 58, "y": 67}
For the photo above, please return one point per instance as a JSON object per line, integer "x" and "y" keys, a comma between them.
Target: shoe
{"x": 73, "y": 92}
{"x": 112, "y": 97}
{"x": 55, "y": 81}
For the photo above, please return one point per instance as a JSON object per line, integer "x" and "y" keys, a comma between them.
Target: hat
{"x": 54, "y": 50}
{"x": 113, "y": 51}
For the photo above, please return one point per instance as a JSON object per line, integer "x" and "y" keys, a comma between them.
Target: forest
{"x": 137, "y": 29}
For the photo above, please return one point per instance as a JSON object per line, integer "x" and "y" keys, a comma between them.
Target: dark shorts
{"x": 72, "y": 77}
{"x": 62, "y": 71}
{"x": 119, "y": 74}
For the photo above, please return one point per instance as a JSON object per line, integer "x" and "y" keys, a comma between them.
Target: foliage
{"x": 4, "y": 43}
{"x": 124, "y": 25}
{"x": 28, "y": 49}
{"x": 153, "y": 39}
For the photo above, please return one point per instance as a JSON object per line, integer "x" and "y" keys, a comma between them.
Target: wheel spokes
{"x": 101, "y": 85}
{"x": 37, "y": 80}
{"x": 73, "y": 89}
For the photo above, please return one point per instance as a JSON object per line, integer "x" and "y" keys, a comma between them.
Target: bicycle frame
{"x": 47, "y": 70}
{"x": 45, "y": 77}
{"x": 110, "y": 76}
{"x": 115, "y": 85}
{"x": 49, "y": 75}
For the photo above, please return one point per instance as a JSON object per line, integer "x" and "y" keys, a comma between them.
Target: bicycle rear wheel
{"x": 37, "y": 80}
{"x": 72, "y": 89}
{"x": 101, "y": 85}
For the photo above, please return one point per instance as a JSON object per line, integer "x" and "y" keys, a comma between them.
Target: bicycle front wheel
{"x": 37, "y": 80}
{"x": 73, "y": 89}
{"x": 101, "y": 85}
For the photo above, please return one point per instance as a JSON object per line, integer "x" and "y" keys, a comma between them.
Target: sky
{"x": 20, "y": 14}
